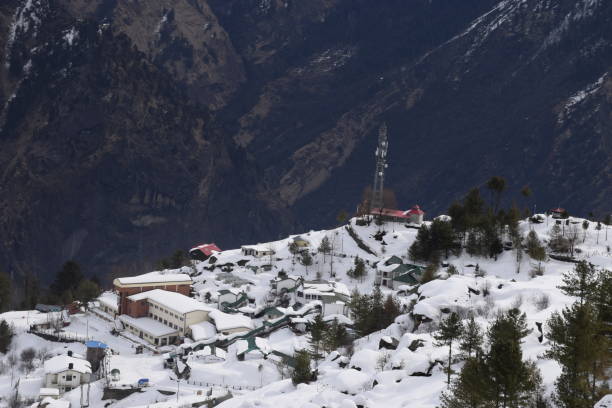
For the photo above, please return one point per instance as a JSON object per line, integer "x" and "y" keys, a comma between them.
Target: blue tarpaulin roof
{"x": 95, "y": 344}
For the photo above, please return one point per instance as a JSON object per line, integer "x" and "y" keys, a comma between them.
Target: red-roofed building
{"x": 204, "y": 251}
{"x": 412, "y": 216}
{"x": 558, "y": 212}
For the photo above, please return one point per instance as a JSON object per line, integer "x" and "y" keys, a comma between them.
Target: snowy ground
{"x": 336, "y": 386}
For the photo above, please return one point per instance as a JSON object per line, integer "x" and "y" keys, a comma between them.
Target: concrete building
{"x": 65, "y": 372}
{"x": 334, "y": 296}
{"x": 257, "y": 251}
{"x": 231, "y": 298}
{"x": 393, "y": 274}
{"x": 285, "y": 283}
{"x": 109, "y": 303}
{"x": 160, "y": 316}
{"x": 125, "y": 287}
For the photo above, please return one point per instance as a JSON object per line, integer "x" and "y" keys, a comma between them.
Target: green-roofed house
{"x": 394, "y": 275}
{"x": 231, "y": 298}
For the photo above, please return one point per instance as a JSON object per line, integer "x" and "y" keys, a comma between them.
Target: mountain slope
{"x": 213, "y": 120}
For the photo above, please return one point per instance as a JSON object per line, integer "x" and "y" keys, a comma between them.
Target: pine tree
{"x": 6, "y": 336}
{"x": 302, "y": 373}
{"x": 420, "y": 250}
{"x": 471, "y": 339}
{"x": 325, "y": 247}
{"x": 391, "y": 309}
{"x": 360, "y": 312}
{"x": 497, "y": 185}
{"x": 317, "y": 330}
{"x": 376, "y": 314}
{"x": 359, "y": 271}
{"x": 582, "y": 348}
{"x": 473, "y": 247}
{"x": 471, "y": 388}
{"x": 535, "y": 249}
{"x": 450, "y": 330}
{"x": 443, "y": 238}
{"x": 306, "y": 259}
{"x": 334, "y": 336}
{"x": 86, "y": 292}
{"x": 68, "y": 278}
{"x": 511, "y": 381}
{"x": 581, "y": 282}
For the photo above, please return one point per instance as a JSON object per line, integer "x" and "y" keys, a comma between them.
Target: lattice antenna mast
{"x": 381, "y": 165}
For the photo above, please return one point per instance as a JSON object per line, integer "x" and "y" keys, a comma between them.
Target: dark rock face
{"x": 130, "y": 129}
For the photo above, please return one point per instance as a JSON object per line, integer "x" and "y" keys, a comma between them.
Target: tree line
{"x": 494, "y": 374}
{"x": 69, "y": 284}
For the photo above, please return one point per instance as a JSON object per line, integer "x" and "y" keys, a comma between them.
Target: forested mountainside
{"x": 132, "y": 127}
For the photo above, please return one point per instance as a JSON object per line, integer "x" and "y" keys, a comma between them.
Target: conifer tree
{"x": 511, "y": 381}
{"x": 581, "y": 282}
{"x": 535, "y": 249}
{"x": 317, "y": 330}
{"x": 580, "y": 346}
{"x": 325, "y": 247}
{"x": 450, "y": 331}
{"x": 302, "y": 373}
{"x": 471, "y": 338}
{"x": 391, "y": 309}
{"x": 6, "y": 336}
{"x": 497, "y": 185}
{"x": 334, "y": 336}
{"x": 360, "y": 312}
{"x": 376, "y": 310}
{"x": 471, "y": 388}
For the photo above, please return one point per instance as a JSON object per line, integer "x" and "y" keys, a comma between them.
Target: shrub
{"x": 542, "y": 302}
{"x": 452, "y": 270}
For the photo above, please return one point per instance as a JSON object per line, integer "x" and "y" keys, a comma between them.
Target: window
{"x": 68, "y": 377}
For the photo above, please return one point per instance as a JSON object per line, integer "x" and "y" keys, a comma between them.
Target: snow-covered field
{"x": 257, "y": 382}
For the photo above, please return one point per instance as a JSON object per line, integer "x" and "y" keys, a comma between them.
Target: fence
{"x": 62, "y": 336}
{"x": 233, "y": 387}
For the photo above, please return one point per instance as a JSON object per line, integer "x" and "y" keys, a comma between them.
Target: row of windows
{"x": 176, "y": 316}
{"x": 166, "y": 322}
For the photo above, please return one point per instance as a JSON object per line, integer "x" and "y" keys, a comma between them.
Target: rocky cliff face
{"x": 131, "y": 128}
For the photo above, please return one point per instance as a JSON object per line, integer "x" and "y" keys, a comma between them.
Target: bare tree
{"x": 27, "y": 359}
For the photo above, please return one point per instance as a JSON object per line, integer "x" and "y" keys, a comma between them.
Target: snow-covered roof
{"x": 50, "y": 402}
{"x": 321, "y": 287}
{"x": 149, "y": 325}
{"x": 172, "y": 300}
{"x": 48, "y": 391}
{"x": 109, "y": 299}
{"x": 605, "y": 402}
{"x": 61, "y": 363}
{"x": 226, "y": 321}
{"x": 154, "y": 277}
{"x": 210, "y": 351}
{"x": 203, "y": 330}
{"x": 259, "y": 247}
{"x": 206, "y": 249}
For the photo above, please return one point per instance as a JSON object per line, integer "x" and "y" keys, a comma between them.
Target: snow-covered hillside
{"x": 409, "y": 374}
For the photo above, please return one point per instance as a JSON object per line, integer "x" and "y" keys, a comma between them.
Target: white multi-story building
{"x": 334, "y": 296}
